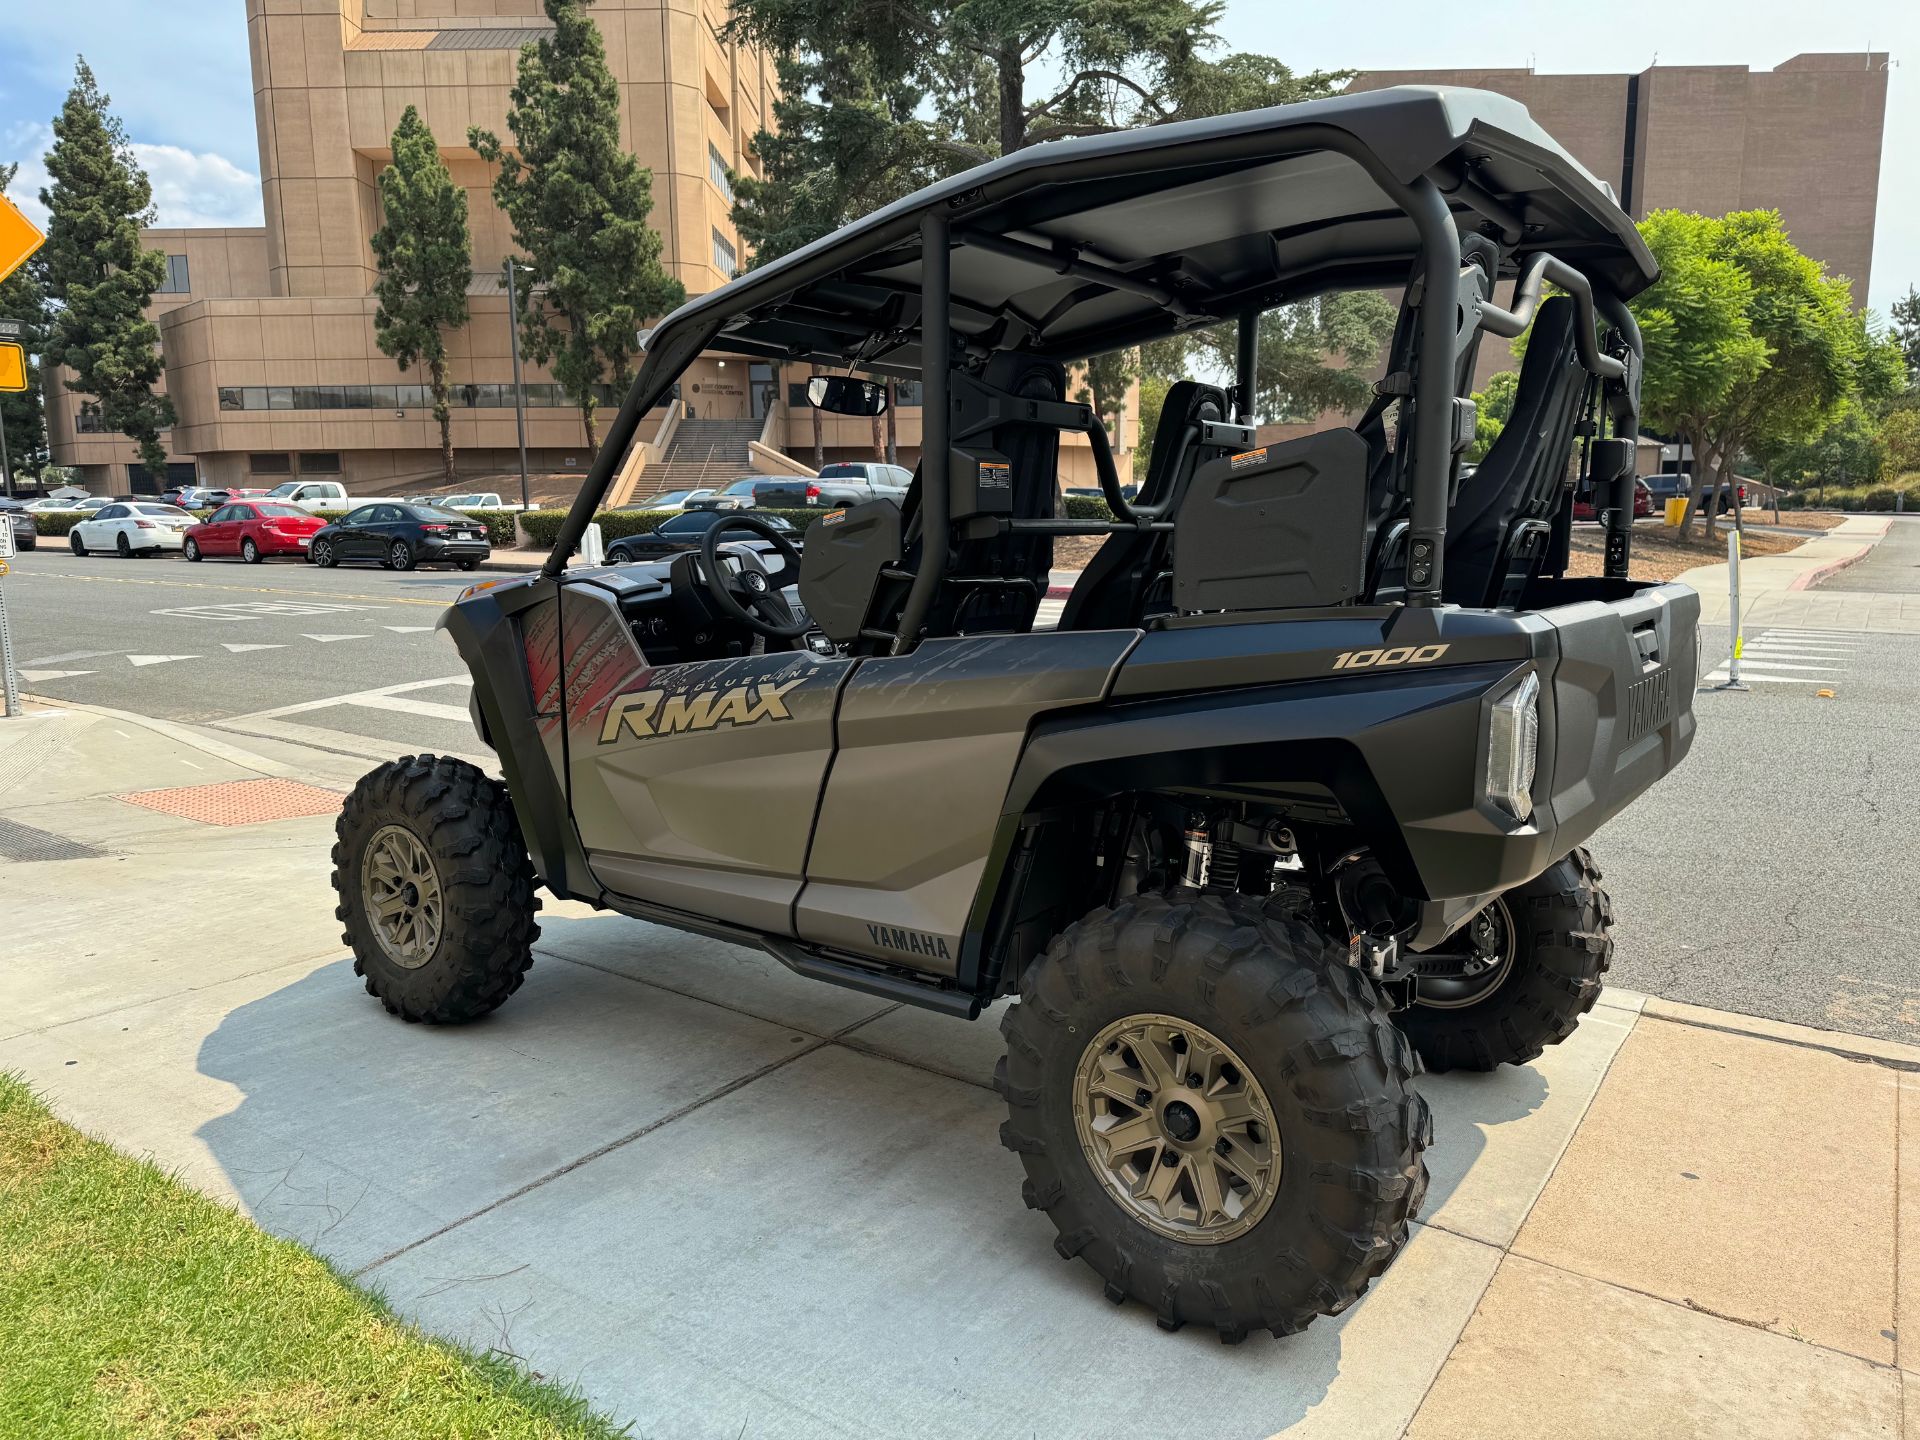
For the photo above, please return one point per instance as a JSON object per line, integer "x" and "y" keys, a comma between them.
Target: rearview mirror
{"x": 845, "y": 395}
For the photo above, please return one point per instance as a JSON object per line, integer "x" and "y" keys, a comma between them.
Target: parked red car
{"x": 254, "y": 530}
{"x": 1642, "y": 503}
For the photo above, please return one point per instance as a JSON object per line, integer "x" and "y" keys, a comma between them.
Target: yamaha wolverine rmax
{"x": 1289, "y": 798}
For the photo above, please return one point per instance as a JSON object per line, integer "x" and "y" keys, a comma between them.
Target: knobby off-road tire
{"x": 1348, "y": 1129}
{"x": 457, "y": 826}
{"x": 1562, "y": 940}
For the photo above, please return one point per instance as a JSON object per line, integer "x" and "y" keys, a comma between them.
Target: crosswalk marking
{"x": 1792, "y": 657}
{"x": 329, "y": 639}
{"x": 242, "y": 649}
{"x": 159, "y": 659}
{"x": 35, "y": 676}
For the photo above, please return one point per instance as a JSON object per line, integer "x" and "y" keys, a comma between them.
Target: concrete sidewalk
{"x": 1778, "y": 589}
{"x": 731, "y": 1202}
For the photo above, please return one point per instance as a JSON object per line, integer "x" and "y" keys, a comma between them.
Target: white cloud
{"x": 202, "y": 189}
{"x": 189, "y": 189}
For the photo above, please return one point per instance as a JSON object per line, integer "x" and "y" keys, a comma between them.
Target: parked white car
{"x": 479, "y": 500}
{"x": 324, "y": 495}
{"x": 132, "y": 527}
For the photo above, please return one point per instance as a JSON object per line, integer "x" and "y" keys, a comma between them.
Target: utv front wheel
{"x": 1536, "y": 958}
{"x": 1215, "y": 1112}
{"x": 436, "y": 889}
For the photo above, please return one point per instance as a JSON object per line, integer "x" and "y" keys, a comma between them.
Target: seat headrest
{"x": 1188, "y": 404}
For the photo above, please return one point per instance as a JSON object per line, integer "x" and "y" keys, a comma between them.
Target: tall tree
{"x": 1492, "y": 409}
{"x": 99, "y": 275}
{"x": 1104, "y": 382}
{"x": 425, "y": 256}
{"x": 1906, "y": 333}
{"x": 880, "y": 97}
{"x": 23, "y": 297}
{"x": 1900, "y": 443}
{"x": 1697, "y": 328}
{"x": 1312, "y": 356}
{"x": 578, "y": 204}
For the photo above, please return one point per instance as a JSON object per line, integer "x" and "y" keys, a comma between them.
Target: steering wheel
{"x": 752, "y": 595}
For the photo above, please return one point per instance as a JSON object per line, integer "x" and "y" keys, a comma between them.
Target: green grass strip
{"x": 131, "y": 1305}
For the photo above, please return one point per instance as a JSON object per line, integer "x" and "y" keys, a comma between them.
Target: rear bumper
{"x": 435, "y": 549}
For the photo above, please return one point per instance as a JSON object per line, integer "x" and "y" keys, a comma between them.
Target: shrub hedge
{"x": 1853, "y": 498}
{"x": 1085, "y": 507}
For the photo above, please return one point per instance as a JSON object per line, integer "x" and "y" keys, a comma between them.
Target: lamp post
{"x": 519, "y": 391}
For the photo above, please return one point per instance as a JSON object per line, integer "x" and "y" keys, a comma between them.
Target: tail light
{"x": 146, "y": 525}
{"x": 434, "y": 529}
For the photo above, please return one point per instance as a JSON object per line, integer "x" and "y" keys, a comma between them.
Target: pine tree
{"x": 578, "y": 204}
{"x": 98, "y": 274}
{"x": 24, "y": 298}
{"x": 425, "y": 255}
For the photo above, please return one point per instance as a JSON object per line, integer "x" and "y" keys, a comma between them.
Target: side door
{"x": 693, "y": 785}
{"x": 390, "y": 523}
{"x": 103, "y": 530}
{"x": 353, "y": 532}
{"x": 928, "y": 742}
{"x": 217, "y": 534}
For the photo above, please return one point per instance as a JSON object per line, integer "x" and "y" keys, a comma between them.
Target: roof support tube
{"x": 1080, "y": 270}
{"x": 1526, "y": 299}
{"x": 1246, "y": 366}
{"x": 936, "y": 426}
{"x": 1433, "y": 395}
{"x": 1622, "y": 403}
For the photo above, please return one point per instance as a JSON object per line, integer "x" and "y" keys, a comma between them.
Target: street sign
{"x": 13, "y": 367}
{"x": 18, "y": 238}
{"x": 11, "y": 329}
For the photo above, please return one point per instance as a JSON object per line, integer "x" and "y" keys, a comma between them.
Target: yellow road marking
{"x": 238, "y": 589}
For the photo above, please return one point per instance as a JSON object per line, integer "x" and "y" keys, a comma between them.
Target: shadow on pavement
{"x": 720, "y": 1222}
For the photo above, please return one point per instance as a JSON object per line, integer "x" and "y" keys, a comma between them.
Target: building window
{"x": 274, "y": 464}
{"x": 725, "y": 258}
{"x": 465, "y": 396}
{"x": 717, "y": 172}
{"x": 176, "y": 282}
{"x": 320, "y": 462}
{"x": 88, "y": 421}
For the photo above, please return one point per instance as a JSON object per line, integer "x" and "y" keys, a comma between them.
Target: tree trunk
{"x": 1700, "y": 452}
{"x": 879, "y": 440}
{"x": 1013, "y": 98}
{"x": 819, "y": 445}
{"x": 442, "y": 412}
{"x": 587, "y": 407}
{"x": 893, "y": 431}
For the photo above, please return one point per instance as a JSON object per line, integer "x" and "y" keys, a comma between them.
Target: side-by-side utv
{"x": 1289, "y": 798}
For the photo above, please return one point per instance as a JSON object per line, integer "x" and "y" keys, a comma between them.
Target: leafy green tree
{"x": 98, "y": 274}
{"x": 578, "y": 204}
{"x": 881, "y": 97}
{"x": 1312, "y": 356}
{"x": 23, "y": 297}
{"x": 1492, "y": 409}
{"x": 1153, "y": 395}
{"x": 1900, "y": 443}
{"x": 1104, "y": 382}
{"x": 425, "y": 257}
{"x": 1906, "y": 334}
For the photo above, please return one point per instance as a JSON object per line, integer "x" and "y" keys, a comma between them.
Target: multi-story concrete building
{"x": 1803, "y": 138}
{"x": 268, "y": 332}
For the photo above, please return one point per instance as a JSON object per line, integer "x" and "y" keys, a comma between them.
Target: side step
{"x": 878, "y": 983}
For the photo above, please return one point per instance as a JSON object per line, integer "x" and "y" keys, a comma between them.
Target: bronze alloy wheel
{"x": 1177, "y": 1128}
{"x": 401, "y": 892}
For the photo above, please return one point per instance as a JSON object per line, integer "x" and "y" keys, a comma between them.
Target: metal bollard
{"x": 1736, "y": 640}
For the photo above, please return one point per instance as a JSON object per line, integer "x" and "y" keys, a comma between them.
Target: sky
{"x": 178, "y": 75}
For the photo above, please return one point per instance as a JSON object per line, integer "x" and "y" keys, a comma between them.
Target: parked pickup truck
{"x": 795, "y": 492}
{"x": 324, "y": 495}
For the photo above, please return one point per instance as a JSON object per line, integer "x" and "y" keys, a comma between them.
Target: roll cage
{"x": 1085, "y": 246}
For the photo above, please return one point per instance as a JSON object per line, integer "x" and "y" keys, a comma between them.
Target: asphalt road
{"x": 1771, "y": 874}
{"x": 329, "y": 657}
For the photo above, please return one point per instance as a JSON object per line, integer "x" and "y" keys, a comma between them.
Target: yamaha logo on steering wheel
{"x": 754, "y": 581}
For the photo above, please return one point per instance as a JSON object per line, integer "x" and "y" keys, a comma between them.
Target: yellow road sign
{"x": 13, "y": 366}
{"x": 18, "y": 238}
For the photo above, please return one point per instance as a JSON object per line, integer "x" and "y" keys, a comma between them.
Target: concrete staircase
{"x": 702, "y": 454}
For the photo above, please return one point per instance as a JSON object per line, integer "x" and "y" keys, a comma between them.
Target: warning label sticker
{"x": 995, "y": 475}
{"x": 1246, "y": 458}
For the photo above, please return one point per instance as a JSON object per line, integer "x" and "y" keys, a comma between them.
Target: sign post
{"x": 1735, "y": 639}
{"x": 8, "y": 677}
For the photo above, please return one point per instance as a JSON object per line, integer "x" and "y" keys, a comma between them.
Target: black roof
{"x": 1217, "y": 215}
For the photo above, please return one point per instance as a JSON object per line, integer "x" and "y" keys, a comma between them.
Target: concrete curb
{"x": 1808, "y": 579}
{"x": 1889, "y": 1053}
{"x": 179, "y": 734}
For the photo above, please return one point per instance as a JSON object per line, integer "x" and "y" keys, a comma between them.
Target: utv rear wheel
{"x": 436, "y": 889}
{"x": 1542, "y": 948}
{"x": 1215, "y": 1111}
